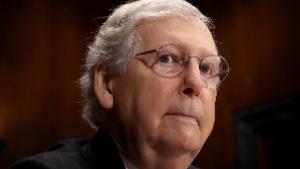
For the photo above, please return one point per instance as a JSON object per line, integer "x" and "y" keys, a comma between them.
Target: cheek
{"x": 152, "y": 102}
{"x": 209, "y": 113}
{"x": 143, "y": 98}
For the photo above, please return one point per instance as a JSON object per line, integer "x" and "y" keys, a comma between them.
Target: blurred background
{"x": 42, "y": 49}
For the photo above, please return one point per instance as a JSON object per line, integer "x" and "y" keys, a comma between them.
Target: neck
{"x": 145, "y": 153}
{"x": 154, "y": 160}
{"x": 148, "y": 157}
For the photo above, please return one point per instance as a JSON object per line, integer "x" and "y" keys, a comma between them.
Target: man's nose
{"x": 193, "y": 81}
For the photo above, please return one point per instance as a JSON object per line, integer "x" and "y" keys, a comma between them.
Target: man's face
{"x": 167, "y": 115}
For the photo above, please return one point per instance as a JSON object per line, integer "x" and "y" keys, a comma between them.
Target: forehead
{"x": 190, "y": 34}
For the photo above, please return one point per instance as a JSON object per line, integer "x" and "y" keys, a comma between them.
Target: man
{"x": 150, "y": 86}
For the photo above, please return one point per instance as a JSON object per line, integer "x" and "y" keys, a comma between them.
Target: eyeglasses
{"x": 170, "y": 61}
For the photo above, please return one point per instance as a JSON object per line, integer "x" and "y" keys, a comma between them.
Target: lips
{"x": 185, "y": 116}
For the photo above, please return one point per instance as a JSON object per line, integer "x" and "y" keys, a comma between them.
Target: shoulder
{"x": 193, "y": 167}
{"x": 66, "y": 154}
{"x": 99, "y": 152}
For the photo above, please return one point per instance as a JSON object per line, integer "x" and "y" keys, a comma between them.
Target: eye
{"x": 207, "y": 70}
{"x": 166, "y": 59}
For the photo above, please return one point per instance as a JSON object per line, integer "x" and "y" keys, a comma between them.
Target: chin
{"x": 189, "y": 142}
{"x": 178, "y": 141}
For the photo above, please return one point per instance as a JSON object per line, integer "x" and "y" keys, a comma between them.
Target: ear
{"x": 103, "y": 89}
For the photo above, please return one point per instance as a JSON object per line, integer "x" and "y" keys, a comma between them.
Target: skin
{"x": 161, "y": 122}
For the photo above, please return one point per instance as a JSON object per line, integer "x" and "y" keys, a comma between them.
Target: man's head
{"x": 151, "y": 79}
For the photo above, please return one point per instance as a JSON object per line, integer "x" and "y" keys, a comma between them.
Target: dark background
{"x": 42, "y": 48}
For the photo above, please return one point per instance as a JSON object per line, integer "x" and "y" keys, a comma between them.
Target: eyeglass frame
{"x": 185, "y": 63}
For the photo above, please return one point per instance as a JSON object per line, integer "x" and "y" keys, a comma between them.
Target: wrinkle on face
{"x": 142, "y": 99}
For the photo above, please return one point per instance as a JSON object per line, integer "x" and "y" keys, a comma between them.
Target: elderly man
{"x": 150, "y": 86}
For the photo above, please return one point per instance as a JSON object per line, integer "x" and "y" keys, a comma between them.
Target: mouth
{"x": 187, "y": 117}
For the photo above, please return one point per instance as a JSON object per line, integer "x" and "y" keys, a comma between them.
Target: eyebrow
{"x": 199, "y": 49}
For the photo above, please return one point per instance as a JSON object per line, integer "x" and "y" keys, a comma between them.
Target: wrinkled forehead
{"x": 191, "y": 34}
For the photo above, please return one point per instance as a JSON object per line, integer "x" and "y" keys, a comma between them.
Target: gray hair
{"x": 114, "y": 44}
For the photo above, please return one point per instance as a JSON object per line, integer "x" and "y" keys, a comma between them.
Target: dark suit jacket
{"x": 97, "y": 153}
